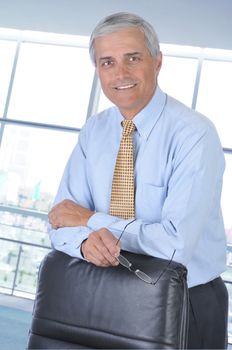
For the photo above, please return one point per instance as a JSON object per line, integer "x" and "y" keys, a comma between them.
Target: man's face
{"x": 127, "y": 71}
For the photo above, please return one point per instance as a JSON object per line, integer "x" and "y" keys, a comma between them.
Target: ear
{"x": 158, "y": 62}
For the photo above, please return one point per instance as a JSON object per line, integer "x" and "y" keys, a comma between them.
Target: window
{"x": 32, "y": 161}
{"x": 52, "y": 85}
{"x": 45, "y": 97}
{"x": 104, "y": 102}
{"x": 45, "y": 88}
{"x": 7, "y": 49}
{"x": 177, "y": 77}
{"x": 214, "y": 97}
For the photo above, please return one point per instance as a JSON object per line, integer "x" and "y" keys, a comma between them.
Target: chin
{"x": 126, "y": 102}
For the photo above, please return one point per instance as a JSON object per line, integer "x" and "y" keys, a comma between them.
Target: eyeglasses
{"x": 140, "y": 274}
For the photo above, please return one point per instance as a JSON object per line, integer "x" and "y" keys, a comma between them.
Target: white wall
{"x": 205, "y": 23}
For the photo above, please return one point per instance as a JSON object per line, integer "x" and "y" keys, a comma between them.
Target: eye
{"x": 106, "y": 63}
{"x": 134, "y": 59}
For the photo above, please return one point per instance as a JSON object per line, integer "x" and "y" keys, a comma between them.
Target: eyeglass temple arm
{"x": 124, "y": 231}
{"x": 163, "y": 271}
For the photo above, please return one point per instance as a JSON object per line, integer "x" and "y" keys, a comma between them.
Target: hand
{"x": 68, "y": 213}
{"x": 101, "y": 248}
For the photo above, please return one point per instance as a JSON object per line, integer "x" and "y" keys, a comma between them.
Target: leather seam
{"x": 98, "y": 331}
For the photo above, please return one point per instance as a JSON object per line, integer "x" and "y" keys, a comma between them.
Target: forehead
{"x": 120, "y": 42}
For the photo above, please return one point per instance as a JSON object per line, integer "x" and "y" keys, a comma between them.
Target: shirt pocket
{"x": 150, "y": 201}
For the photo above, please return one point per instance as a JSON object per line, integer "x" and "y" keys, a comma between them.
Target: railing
{"x": 24, "y": 242}
{"x": 20, "y": 259}
{"x": 19, "y": 266}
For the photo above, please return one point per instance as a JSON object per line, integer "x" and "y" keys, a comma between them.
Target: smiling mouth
{"x": 125, "y": 87}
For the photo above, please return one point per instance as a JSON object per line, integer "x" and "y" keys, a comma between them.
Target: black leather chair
{"x": 81, "y": 306}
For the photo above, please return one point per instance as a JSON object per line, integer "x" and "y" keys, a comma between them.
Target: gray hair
{"x": 120, "y": 21}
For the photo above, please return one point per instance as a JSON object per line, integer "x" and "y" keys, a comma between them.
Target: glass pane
{"x": 181, "y": 50}
{"x": 177, "y": 78}
{"x": 30, "y": 259}
{"x": 214, "y": 97}
{"x": 52, "y": 85}
{"x": 8, "y": 260}
{"x": 7, "y": 49}
{"x": 24, "y": 227}
{"x": 104, "y": 102}
{"x": 31, "y": 165}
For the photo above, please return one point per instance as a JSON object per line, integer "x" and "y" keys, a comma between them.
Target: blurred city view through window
{"x": 47, "y": 91}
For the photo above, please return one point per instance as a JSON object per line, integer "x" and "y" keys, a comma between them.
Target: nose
{"x": 121, "y": 70}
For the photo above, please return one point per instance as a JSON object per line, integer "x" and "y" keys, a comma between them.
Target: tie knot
{"x": 128, "y": 127}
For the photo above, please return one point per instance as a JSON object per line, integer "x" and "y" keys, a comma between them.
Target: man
{"x": 178, "y": 169}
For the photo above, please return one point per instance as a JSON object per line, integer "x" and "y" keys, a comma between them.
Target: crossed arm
{"x": 193, "y": 193}
{"x": 101, "y": 247}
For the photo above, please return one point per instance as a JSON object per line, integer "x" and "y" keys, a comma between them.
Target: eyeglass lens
{"x": 140, "y": 274}
{"x": 123, "y": 261}
{"x": 144, "y": 277}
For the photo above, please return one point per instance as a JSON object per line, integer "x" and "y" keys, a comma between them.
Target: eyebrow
{"x": 129, "y": 54}
{"x": 105, "y": 58}
{"x": 136, "y": 53}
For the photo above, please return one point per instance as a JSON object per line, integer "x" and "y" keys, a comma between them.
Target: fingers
{"x": 53, "y": 219}
{"x": 55, "y": 215}
{"x": 68, "y": 213}
{"x": 101, "y": 248}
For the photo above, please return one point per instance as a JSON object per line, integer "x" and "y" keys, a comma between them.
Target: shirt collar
{"x": 146, "y": 119}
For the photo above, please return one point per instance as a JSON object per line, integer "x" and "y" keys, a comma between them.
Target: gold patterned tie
{"x": 122, "y": 194}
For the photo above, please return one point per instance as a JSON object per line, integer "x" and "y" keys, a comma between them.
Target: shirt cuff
{"x": 69, "y": 240}
{"x": 70, "y": 249}
{"x": 99, "y": 220}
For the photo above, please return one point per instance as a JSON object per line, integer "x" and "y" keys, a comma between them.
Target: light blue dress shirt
{"x": 179, "y": 165}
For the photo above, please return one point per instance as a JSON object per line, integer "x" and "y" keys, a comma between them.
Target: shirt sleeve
{"x": 192, "y": 198}
{"x": 73, "y": 186}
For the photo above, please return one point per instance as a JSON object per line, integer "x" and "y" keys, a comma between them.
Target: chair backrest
{"x": 79, "y": 305}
